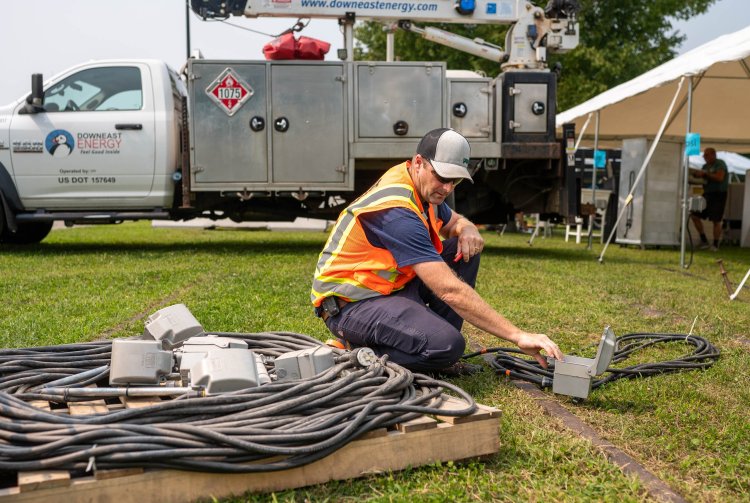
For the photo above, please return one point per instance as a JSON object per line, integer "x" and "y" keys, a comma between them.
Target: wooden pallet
{"x": 414, "y": 443}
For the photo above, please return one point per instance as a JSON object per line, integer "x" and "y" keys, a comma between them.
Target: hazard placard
{"x": 229, "y": 91}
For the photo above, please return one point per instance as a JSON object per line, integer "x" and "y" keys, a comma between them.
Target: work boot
{"x": 458, "y": 369}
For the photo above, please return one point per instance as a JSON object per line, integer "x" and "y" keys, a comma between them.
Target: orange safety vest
{"x": 353, "y": 269}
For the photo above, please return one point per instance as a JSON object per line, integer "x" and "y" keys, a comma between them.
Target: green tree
{"x": 620, "y": 39}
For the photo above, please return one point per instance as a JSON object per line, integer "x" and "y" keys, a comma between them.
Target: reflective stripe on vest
{"x": 349, "y": 266}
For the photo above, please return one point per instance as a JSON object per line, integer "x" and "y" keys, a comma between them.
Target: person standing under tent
{"x": 715, "y": 193}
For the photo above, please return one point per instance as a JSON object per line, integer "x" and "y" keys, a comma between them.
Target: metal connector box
{"x": 574, "y": 375}
{"x": 172, "y": 325}
{"x": 225, "y": 370}
{"x": 195, "y": 349}
{"x": 303, "y": 363}
{"x": 138, "y": 362}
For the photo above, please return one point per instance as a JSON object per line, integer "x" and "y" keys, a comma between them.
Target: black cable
{"x": 704, "y": 355}
{"x": 275, "y": 426}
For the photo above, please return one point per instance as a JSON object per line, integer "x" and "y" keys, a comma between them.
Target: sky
{"x": 46, "y": 36}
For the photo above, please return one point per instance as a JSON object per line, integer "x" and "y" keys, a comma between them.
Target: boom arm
{"x": 534, "y": 32}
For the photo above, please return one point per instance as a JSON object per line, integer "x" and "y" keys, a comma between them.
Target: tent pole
{"x": 593, "y": 184}
{"x": 583, "y": 130}
{"x": 685, "y": 173}
{"x": 629, "y": 198}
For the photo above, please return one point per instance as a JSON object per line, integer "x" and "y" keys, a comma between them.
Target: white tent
{"x": 720, "y": 72}
{"x": 708, "y": 86}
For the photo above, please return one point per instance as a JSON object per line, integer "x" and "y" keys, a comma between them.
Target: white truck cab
{"x": 95, "y": 144}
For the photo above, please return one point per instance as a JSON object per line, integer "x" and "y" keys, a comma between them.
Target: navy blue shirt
{"x": 402, "y": 233}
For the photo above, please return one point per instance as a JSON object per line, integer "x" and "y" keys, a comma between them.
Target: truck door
{"x": 94, "y": 144}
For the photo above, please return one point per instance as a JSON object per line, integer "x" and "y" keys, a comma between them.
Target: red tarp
{"x": 288, "y": 47}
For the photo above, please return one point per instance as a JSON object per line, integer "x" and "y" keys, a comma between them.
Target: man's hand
{"x": 531, "y": 344}
{"x": 470, "y": 242}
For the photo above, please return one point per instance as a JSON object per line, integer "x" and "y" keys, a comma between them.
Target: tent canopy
{"x": 720, "y": 72}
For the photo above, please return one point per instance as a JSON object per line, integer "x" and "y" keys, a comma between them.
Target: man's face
{"x": 431, "y": 187}
{"x": 709, "y": 156}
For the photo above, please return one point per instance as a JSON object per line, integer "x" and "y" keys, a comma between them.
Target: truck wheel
{"x": 27, "y": 233}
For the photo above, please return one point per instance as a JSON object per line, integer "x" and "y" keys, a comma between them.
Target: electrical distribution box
{"x": 304, "y": 363}
{"x": 172, "y": 325}
{"x": 574, "y": 375}
{"x": 138, "y": 362}
{"x": 655, "y": 213}
{"x": 224, "y": 370}
{"x": 196, "y": 348}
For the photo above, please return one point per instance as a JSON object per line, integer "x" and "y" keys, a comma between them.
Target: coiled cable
{"x": 703, "y": 356}
{"x": 271, "y": 427}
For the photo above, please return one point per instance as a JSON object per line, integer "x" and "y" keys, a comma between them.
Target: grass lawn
{"x": 691, "y": 429}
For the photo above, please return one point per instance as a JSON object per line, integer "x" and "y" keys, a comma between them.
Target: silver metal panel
{"x": 224, "y": 150}
{"x": 390, "y": 92}
{"x": 653, "y": 217}
{"x": 476, "y": 96}
{"x": 522, "y": 105}
{"x": 633, "y": 154}
{"x": 311, "y": 97}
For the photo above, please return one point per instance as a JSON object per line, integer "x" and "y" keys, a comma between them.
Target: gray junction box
{"x": 138, "y": 362}
{"x": 304, "y": 363}
{"x": 574, "y": 375}
{"x": 226, "y": 369}
{"x": 172, "y": 325}
{"x": 196, "y": 348}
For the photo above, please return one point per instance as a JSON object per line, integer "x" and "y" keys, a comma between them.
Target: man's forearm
{"x": 467, "y": 303}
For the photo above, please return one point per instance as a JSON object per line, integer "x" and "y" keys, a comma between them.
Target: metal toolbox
{"x": 470, "y": 107}
{"x": 260, "y": 125}
{"x": 398, "y": 100}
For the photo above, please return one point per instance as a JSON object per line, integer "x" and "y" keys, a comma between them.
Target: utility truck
{"x": 110, "y": 141}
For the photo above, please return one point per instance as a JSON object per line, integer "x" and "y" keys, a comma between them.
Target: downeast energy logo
{"x": 59, "y": 143}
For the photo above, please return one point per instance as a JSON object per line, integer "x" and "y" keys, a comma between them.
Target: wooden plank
{"x": 395, "y": 451}
{"x": 116, "y": 472}
{"x": 133, "y": 402}
{"x": 451, "y": 403}
{"x": 87, "y": 408}
{"x": 40, "y": 404}
{"x": 493, "y": 412}
{"x": 380, "y": 432}
{"x": 417, "y": 424}
{"x": 33, "y": 481}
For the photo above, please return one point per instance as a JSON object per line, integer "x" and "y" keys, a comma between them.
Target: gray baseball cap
{"x": 448, "y": 152}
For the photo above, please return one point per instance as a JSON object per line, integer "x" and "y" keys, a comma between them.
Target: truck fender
{"x": 9, "y": 198}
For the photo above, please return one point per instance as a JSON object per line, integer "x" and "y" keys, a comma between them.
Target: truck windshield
{"x": 104, "y": 88}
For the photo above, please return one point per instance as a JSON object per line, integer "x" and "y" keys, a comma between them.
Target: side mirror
{"x": 35, "y": 101}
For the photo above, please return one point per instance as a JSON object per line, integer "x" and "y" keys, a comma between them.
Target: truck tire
{"x": 2, "y": 220}
{"x": 27, "y": 233}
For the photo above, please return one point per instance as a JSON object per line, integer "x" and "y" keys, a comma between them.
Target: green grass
{"x": 691, "y": 429}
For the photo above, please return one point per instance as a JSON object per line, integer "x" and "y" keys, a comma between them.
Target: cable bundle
{"x": 704, "y": 355}
{"x": 272, "y": 427}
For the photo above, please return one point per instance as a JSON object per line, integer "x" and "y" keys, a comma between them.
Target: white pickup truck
{"x": 109, "y": 141}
